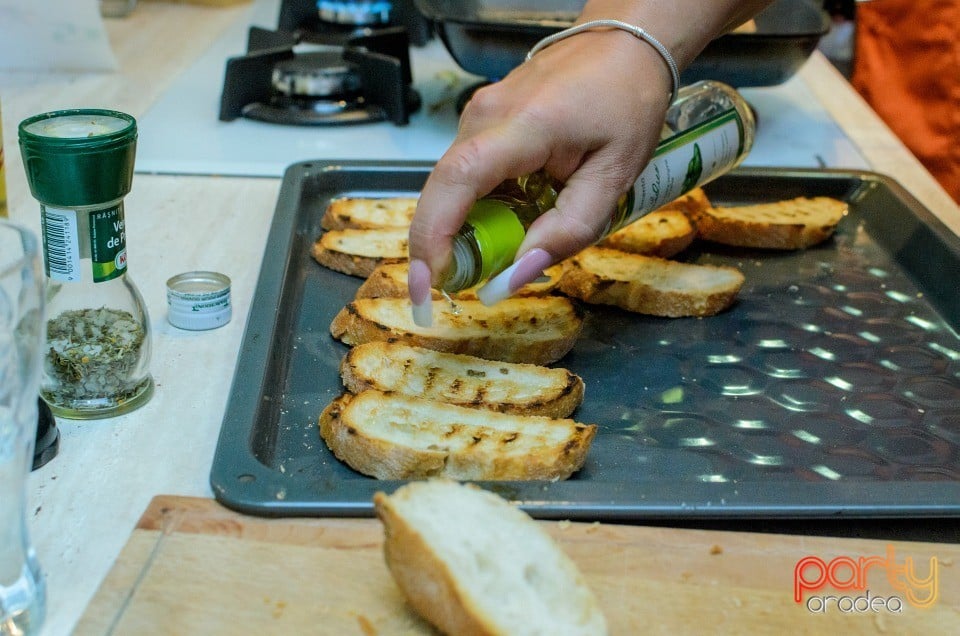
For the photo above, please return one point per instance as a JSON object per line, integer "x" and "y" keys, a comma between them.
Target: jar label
{"x": 61, "y": 244}
{"x": 108, "y": 243}
{"x": 688, "y": 160}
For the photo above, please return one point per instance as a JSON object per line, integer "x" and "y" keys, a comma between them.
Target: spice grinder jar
{"x": 79, "y": 165}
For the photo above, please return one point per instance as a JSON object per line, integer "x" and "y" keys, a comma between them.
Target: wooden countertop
{"x": 84, "y": 504}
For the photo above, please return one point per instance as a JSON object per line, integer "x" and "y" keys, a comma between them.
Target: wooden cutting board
{"x": 192, "y": 566}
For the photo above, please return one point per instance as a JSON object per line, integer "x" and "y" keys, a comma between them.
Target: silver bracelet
{"x": 616, "y": 24}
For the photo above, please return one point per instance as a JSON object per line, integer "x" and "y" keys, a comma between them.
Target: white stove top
{"x": 181, "y": 133}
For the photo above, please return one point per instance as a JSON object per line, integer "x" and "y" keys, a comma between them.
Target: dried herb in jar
{"x": 94, "y": 354}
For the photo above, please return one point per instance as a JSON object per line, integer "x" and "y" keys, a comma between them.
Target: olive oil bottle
{"x": 709, "y": 130}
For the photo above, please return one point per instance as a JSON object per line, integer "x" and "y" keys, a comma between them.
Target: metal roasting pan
{"x": 490, "y": 37}
{"x": 830, "y": 390}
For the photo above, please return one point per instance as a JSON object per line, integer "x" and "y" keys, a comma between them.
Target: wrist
{"x": 684, "y": 27}
{"x": 618, "y": 25}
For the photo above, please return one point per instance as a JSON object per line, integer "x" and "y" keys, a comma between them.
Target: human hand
{"x": 588, "y": 110}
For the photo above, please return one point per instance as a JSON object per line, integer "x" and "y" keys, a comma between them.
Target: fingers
{"x": 582, "y": 214}
{"x": 583, "y": 211}
{"x": 484, "y": 154}
{"x": 589, "y": 126}
{"x": 463, "y": 175}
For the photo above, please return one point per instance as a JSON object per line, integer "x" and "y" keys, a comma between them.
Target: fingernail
{"x": 506, "y": 283}
{"x": 418, "y": 282}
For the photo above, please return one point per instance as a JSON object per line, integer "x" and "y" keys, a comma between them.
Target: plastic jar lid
{"x": 79, "y": 157}
{"x": 198, "y": 300}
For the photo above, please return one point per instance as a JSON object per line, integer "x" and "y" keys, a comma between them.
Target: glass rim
{"x": 30, "y": 248}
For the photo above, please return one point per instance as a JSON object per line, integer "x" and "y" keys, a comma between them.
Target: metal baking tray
{"x": 491, "y": 37}
{"x": 831, "y": 388}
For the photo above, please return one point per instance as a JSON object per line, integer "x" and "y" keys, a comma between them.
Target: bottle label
{"x": 108, "y": 243}
{"x": 498, "y": 233}
{"x": 61, "y": 244}
{"x": 687, "y": 160}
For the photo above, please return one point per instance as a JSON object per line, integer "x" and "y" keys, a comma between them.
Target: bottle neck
{"x": 464, "y": 268}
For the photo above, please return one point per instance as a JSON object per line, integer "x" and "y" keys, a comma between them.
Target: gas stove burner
{"x": 323, "y": 74}
{"x": 336, "y": 21}
{"x": 366, "y": 79}
{"x": 312, "y": 89}
{"x": 313, "y": 112}
{"x": 355, "y": 13}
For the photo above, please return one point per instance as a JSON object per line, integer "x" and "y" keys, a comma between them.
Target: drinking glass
{"x": 22, "y": 587}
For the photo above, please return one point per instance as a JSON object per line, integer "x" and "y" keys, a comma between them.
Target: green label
{"x": 108, "y": 244}
{"x": 498, "y": 232}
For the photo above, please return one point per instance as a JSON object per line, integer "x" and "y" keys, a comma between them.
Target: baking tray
{"x": 491, "y": 37}
{"x": 832, "y": 386}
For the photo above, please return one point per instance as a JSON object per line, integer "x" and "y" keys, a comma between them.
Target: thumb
{"x": 582, "y": 214}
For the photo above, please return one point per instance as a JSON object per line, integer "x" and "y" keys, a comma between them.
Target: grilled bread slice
{"x": 471, "y": 563}
{"x": 367, "y": 213}
{"x": 389, "y": 280}
{"x": 649, "y": 285}
{"x": 663, "y": 233}
{"x": 395, "y": 436}
{"x": 784, "y": 225}
{"x": 358, "y": 252}
{"x": 507, "y": 387}
{"x": 690, "y": 203}
{"x": 532, "y": 330}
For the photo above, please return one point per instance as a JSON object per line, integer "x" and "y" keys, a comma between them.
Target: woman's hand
{"x": 593, "y": 126}
{"x": 588, "y": 109}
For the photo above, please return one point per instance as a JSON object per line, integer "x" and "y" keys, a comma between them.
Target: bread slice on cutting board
{"x": 389, "y": 280}
{"x": 368, "y": 212}
{"x": 789, "y": 224}
{"x": 395, "y": 436}
{"x": 536, "y": 330}
{"x": 507, "y": 387}
{"x": 472, "y": 563}
{"x": 648, "y": 284}
{"x": 357, "y": 252}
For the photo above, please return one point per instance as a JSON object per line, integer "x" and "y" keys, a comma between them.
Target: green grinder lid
{"x": 78, "y": 157}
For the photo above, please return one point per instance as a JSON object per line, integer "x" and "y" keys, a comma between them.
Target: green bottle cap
{"x": 78, "y": 157}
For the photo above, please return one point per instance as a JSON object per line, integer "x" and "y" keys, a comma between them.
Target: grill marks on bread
{"x": 461, "y": 379}
{"x": 531, "y": 330}
{"x": 365, "y": 213}
{"x": 789, "y": 224}
{"x": 394, "y": 436}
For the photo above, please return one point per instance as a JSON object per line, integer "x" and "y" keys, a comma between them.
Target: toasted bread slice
{"x": 784, "y": 225}
{"x": 471, "y": 563}
{"x": 367, "y": 213}
{"x": 389, "y": 280}
{"x": 663, "y": 233}
{"x": 394, "y": 436}
{"x": 649, "y": 285}
{"x": 358, "y": 252}
{"x": 507, "y": 387}
{"x": 690, "y": 203}
{"x": 531, "y": 330}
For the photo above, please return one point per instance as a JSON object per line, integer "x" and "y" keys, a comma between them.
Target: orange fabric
{"x": 907, "y": 67}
